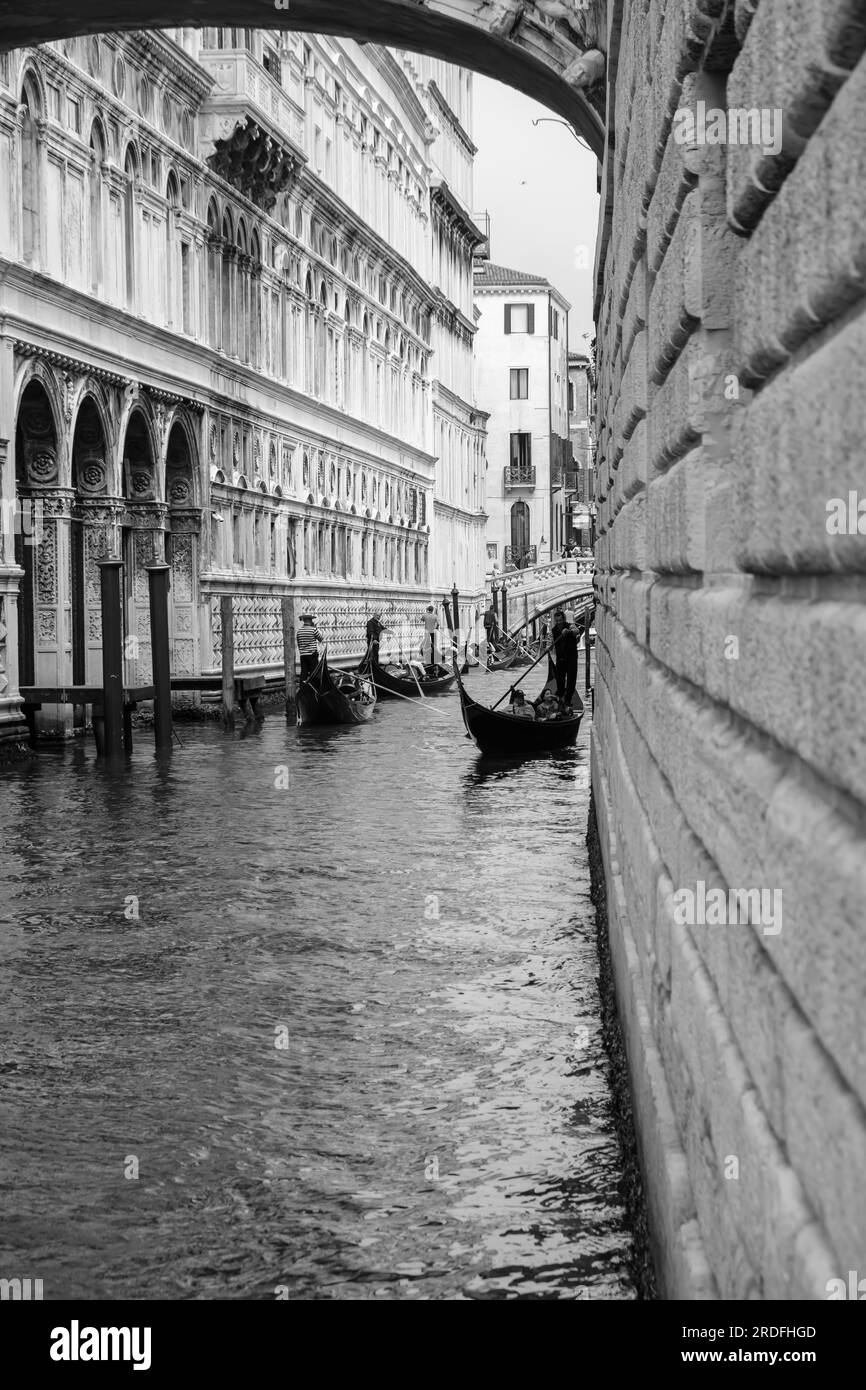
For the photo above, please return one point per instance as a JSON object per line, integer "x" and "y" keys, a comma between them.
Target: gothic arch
{"x": 180, "y": 465}
{"x": 91, "y": 462}
{"x": 139, "y": 453}
{"x": 558, "y": 62}
{"x": 40, "y": 441}
{"x": 31, "y": 89}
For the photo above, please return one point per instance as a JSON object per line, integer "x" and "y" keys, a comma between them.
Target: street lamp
{"x": 554, "y": 120}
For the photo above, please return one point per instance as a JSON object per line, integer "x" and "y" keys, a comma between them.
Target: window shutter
{"x": 530, "y": 315}
{"x": 508, "y": 318}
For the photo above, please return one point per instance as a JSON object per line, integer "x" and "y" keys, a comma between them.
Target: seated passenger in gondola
{"x": 520, "y": 707}
{"x": 546, "y": 708}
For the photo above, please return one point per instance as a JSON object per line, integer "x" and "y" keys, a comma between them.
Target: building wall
{"x": 728, "y": 741}
{"x": 217, "y": 350}
{"x": 459, "y": 435}
{"x": 581, "y": 482}
{"x": 545, "y": 409}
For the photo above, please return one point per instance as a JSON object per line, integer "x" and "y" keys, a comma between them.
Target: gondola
{"x": 510, "y": 735}
{"x": 335, "y": 697}
{"x": 500, "y": 660}
{"x": 394, "y": 679}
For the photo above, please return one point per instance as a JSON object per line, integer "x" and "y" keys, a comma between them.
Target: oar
{"x": 434, "y": 709}
{"x": 417, "y": 682}
{"x": 522, "y": 678}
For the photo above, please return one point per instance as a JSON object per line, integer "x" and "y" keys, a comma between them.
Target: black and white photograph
{"x": 432, "y": 668}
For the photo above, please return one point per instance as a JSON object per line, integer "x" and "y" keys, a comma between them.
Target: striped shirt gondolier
{"x": 307, "y": 637}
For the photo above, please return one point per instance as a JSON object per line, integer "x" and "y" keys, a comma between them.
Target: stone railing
{"x": 536, "y": 576}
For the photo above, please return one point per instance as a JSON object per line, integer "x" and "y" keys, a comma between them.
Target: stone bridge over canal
{"x": 729, "y": 746}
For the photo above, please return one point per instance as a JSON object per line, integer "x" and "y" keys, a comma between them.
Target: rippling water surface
{"x": 350, "y": 1044}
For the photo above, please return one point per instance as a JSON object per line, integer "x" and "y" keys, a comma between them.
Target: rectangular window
{"x": 521, "y": 452}
{"x": 554, "y": 323}
{"x": 73, "y": 114}
{"x": 519, "y": 383}
{"x": 571, "y": 398}
{"x": 519, "y": 318}
{"x": 271, "y": 63}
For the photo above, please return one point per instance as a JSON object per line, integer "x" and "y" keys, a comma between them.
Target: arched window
{"x": 31, "y": 183}
{"x": 172, "y": 253}
{"x": 255, "y": 298}
{"x": 213, "y": 275}
{"x": 242, "y": 294}
{"x": 130, "y": 171}
{"x": 97, "y": 160}
{"x": 226, "y": 341}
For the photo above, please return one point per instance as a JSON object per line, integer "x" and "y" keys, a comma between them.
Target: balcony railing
{"x": 244, "y": 90}
{"x": 518, "y": 475}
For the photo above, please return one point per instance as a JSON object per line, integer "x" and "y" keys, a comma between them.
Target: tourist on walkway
{"x": 308, "y": 636}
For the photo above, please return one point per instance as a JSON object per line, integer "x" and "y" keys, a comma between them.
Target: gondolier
{"x": 375, "y": 628}
{"x": 308, "y": 636}
{"x": 431, "y": 626}
{"x": 565, "y": 645}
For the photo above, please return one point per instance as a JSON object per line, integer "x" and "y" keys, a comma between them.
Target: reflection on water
{"x": 345, "y": 1033}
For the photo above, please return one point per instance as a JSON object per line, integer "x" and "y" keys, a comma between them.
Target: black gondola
{"x": 510, "y": 735}
{"x": 335, "y": 697}
{"x": 500, "y": 660}
{"x": 393, "y": 679}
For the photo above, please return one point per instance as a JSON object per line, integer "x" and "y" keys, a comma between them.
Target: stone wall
{"x": 730, "y": 743}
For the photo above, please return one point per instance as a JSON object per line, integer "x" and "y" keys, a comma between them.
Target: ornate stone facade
{"x": 235, "y": 365}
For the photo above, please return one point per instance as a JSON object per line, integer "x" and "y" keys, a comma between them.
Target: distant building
{"x": 580, "y": 475}
{"x": 522, "y": 379}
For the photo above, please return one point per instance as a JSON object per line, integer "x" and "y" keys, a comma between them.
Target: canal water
{"x": 305, "y": 1014}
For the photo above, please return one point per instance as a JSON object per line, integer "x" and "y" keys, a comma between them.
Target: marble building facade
{"x": 236, "y": 334}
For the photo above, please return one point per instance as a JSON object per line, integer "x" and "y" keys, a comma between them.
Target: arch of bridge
{"x": 553, "y": 50}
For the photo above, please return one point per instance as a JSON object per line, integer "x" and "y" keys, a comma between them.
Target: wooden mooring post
{"x": 112, "y": 661}
{"x": 160, "y": 646}
{"x": 288, "y": 609}
{"x": 227, "y": 651}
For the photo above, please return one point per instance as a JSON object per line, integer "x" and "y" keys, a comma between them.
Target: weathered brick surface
{"x": 798, "y": 445}
{"x": 793, "y": 61}
{"x": 675, "y": 516}
{"x": 743, "y": 765}
{"x": 807, "y": 260}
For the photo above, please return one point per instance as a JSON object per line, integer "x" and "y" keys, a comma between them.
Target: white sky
{"x": 539, "y": 186}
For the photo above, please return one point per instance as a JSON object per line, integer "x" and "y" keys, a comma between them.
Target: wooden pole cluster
{"x": 227, "y": 652}
{"x": 160, "y": 647}
{"x": 112, "y": 662}
{"x": 288, "y": 610}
